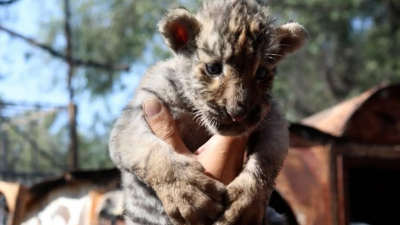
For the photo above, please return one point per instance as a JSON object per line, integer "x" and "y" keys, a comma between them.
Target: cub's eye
{"x": 214, "y": 68}
{"x": 261, "y": 73}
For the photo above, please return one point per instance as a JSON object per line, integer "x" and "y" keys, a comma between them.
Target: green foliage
{"x": 352, "y": 47}
{"x": 31, "y": 146}
{"x": 39, "y": 144}
{"x": 93, "y": 147}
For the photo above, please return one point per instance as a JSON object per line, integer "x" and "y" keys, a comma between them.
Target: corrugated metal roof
{"x": 333, "y": 120}
{"x": 372, "y": 117}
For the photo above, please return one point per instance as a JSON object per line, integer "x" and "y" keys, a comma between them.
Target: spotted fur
{"x": 164, "y": 187}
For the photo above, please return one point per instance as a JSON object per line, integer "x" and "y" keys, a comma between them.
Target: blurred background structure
{"x": 67, "y": 67}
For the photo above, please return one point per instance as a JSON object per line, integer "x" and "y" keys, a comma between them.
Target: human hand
{"x": 221, "y": 156}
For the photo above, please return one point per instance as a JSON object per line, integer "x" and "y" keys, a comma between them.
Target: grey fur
{"x": 163, "y": 187}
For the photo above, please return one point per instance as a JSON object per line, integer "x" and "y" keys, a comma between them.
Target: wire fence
{"x": 30, "y": 137}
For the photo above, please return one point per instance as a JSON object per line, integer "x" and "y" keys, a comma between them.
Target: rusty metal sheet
{"x": 377, "y": 120}
{"x": 372, "y": 117}
{"x": 333, "y": 120}
{"x": 304, "y": 184}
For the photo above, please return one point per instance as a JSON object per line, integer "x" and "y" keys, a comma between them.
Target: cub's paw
{"x": 192, "y": 198}
{"x": 243, "y": 206}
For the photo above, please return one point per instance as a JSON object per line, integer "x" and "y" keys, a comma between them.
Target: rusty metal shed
{"x": 344, "y": 162}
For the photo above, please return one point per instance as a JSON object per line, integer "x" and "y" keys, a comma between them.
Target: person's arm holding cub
{"x": 222, "y": 156}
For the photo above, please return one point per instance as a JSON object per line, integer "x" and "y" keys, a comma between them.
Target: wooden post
{"x": 3, "y": 159}
{"x": 34, "y": 152}
{"x": 73, "y": 138}
{"x": 3, "y": 148}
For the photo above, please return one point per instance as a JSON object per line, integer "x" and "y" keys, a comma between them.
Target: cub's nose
{"x": 238, "y": 112}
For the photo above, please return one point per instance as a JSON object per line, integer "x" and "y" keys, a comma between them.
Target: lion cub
{"x": 219, "y": 81}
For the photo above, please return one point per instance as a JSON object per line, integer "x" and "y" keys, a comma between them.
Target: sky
{"x": 31, "y": 81}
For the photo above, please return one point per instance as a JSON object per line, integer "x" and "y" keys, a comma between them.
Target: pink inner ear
{"x": 181, "y": 34}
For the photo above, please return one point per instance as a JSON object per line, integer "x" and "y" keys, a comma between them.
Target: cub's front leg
{"x": 187, "y": 194}
{"x": 248, "y": 195}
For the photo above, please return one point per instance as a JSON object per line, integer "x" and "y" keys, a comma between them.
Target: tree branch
{"x": 7, "y": 2}
{"x": 57, "y": 54}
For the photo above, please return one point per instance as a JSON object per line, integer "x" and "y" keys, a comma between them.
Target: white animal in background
{"x": 63, "y": 211}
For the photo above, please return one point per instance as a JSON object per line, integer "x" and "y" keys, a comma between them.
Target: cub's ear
{"x": 179, "y": 29}
{"x": 288, "y": 38}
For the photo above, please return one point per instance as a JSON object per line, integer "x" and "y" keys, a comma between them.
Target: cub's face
{"x": 230, "y": 50}
{"x": 234, "y": 83}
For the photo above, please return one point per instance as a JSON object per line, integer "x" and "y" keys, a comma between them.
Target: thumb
{"x": 162, "y": 124}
